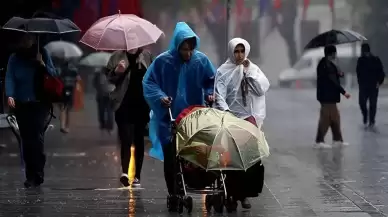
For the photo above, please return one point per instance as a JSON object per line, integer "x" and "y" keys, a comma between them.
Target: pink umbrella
{"x": 121, "y": 32}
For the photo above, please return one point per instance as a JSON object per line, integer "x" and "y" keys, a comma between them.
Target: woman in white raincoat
{"x": 240, "y": 88}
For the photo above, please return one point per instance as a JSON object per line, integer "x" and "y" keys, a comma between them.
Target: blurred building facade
{"x": 276, "y": 29}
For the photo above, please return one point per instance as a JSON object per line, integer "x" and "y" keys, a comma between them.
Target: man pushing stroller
{"x": 180, "y": 77}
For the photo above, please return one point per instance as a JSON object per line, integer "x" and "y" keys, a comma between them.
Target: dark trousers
{"x": 105, "y": 112}
{"x": 131, "y": 133}
{"x": 243, "y": 184}
{"x": 170, "y": 168}
{"x": 329, "y": 117}
{"x": 31, "y": 118}
{"x": 363, "y": 98}
{"x": 249, "y": 183}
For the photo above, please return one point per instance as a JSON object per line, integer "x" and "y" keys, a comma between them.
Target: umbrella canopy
{"x": 334, "y": 37}
{"x": 121, "y": 32}
{"x": 63, "y": 50}
{"x": 217, "y": 140}
{"x": 41, "y": 25}
{"x": 96, "y": 60}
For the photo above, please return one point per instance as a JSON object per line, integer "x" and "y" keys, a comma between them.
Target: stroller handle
{"x": 170, "y": 114}
{"x": 208, "y": 104}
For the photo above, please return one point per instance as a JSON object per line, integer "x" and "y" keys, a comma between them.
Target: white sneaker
{"x": 340, "y": 143}
{"x": 321, "y": 145}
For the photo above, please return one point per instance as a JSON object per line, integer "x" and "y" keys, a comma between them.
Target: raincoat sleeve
{"x": 220, "y": 93}
{"x": 258, "y": 81}
{"x": 152, "y": 90}
{"x": 10, "y": 77}
{"x": 111, "y": 67}
{"x": 209, "y": 73}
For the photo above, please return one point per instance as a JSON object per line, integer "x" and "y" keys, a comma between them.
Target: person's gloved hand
{"x": 166, "y": 101}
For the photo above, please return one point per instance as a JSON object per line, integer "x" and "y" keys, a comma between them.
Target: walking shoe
{"x": 64, "y": 130}
{"x": 319, "y": 145}
{"x": 245, "y": 204}
{"x": 136, "y": 182}
{"x": 124, "y": 179}
{"x": 32, "y": 183}
{"x": 340, "y": 143}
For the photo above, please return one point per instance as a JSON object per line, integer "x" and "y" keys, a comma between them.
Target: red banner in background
{"x": 331, "y": 5}
{"x": 89, "y": 11}
{"x": 130, "y": 7}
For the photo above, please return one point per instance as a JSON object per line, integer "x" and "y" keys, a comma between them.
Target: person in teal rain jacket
{"x": 180, "y": 77}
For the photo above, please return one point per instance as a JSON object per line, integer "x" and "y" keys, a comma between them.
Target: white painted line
{"x": 71, "y": 154}
{"x": 119, "y": 189}
{"x": 75, "y": 154}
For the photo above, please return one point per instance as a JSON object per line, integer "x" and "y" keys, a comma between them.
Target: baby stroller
{"x": 210, "y": 142}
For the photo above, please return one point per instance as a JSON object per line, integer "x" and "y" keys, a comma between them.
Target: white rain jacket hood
{"x": 229, "y": 86}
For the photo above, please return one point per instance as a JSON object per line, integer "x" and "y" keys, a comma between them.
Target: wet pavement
{"x": 83, "y": 167}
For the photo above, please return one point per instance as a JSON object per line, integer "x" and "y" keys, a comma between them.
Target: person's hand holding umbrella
{"x": 121, "y": 67}
{"x": 40, "y": 59}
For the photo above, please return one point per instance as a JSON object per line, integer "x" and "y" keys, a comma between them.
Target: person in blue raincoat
{"x": 180, "y": 77}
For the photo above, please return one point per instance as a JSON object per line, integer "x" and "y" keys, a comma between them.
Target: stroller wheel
{"x": 218, "y": 203}
{"x": 181, "y": 203}
{"x": 231, "y": 205}
{"x": 208, "y": 204}
{"x": 189, "y": 203}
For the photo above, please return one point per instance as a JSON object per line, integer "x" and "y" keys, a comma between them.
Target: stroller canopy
{"x": 218, "y": 140}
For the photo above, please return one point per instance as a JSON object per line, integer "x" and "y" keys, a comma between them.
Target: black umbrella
{"x": 40, "y": 25}
{"x": 334, "y": 37}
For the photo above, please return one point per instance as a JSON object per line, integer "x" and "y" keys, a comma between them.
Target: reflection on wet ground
{"x": 82, "y": 170}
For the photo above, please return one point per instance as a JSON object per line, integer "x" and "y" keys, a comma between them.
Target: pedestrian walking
{"x": 126, "y": 70}
{"x": 180, "y": 77}
{"x": 104, "y": 105}
{"x": 24, "y": 66}
{"x": 240, "y": 88}
{"x": 329, "y": 92}
{"x": 370, "y": 76}
{"x": 70, "y": 78}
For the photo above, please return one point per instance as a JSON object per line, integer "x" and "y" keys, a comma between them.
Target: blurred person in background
{"x": 31, "y": 112}
{"x": 240, "y": 88}
{"x": 104, "y": 105}
{"x": 126, "y": 70}
{"x": 370, "y": 76}
{"x": 180, "y": 77}
{"x": 71, "y": 79}
{"x": 329, "y": 92}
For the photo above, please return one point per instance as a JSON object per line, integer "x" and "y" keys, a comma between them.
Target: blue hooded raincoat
{"x": 186, "y": 82}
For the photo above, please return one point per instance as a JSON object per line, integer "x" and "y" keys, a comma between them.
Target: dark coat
{"x": 370, "y": 72}
{"x": 329, "y": 89}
